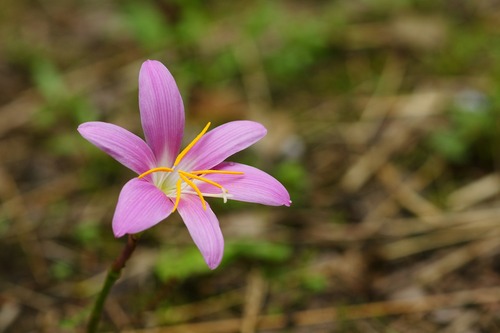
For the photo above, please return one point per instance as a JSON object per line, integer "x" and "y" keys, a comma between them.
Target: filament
{"x": 195, "y": 188}
{"x": 178, "y": 194}
{"x": 150, "y": 171}
{"x": 189, "y": 146}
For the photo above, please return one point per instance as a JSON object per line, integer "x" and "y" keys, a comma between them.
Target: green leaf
{"x": 180, "y": 264}
{"x": 48, "y": 80}
{"x": 450, "y": 145}
{"x": 61, "y": 270}
{"x": 147, "y": 23}
{"x": 259, "y": 250}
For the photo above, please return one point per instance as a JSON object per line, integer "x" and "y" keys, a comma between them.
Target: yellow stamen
{"x": 195, "y": 188}
{"x": 178, "y": 194}
{"x": 203, "y": 179}
{"x": 188, "y": 177}
{"x": 150, "y": 171}
{"x": 189, "y": 146}
{"x": 217, "y": 171}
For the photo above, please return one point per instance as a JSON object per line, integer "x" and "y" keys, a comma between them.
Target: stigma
{"x": 187, "y": 179}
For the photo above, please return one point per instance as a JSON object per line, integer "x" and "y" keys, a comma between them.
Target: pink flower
{"x": 169, "y": 180}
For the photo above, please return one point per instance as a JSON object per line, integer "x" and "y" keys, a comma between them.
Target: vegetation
{"x": 383, "y": 123}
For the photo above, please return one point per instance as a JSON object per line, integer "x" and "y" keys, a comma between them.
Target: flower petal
{"x": 140, "y": 206}
{"x": 204, "y": 229}
{"x": 125, "y": 147}
{"x": 222, "y": 142}
{"x": 253, "y": 186}
{"x": 162, "y": 111}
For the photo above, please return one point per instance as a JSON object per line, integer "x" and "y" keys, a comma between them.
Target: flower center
{"x": 189, "y": 177}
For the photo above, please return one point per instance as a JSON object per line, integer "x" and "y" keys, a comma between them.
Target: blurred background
{"x": 383, "y": 121}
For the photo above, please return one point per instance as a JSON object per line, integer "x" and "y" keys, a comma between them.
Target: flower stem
{"x": 113, "y": 275}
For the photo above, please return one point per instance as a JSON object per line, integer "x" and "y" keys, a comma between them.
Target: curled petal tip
{"x": 213, "y": 266}
{"x": 253, "y": 186}
{"x": 118, "y": 234}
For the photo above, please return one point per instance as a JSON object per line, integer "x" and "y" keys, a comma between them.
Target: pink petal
{"x": 204, "y": 229}
{"x": 141, "y": 205}
{"x": 162, "y": 111}
{"x": 253, "y": 186}
{"x": 222, "y": 142}
{"x": 123, "y": 146}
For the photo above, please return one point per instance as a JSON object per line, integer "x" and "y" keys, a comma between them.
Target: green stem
{"x": 113, "y": 275}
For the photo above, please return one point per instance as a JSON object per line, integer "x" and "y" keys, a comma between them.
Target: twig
{"x": 456, "y": 259}
{"x": 255, "y": 293}
{"x": 419, "y": 180}
{"x": 408, "y": 197}
{"x": 414, "y": 111}
{"x": 475, "y": 192}
{"x": 413, "y": 245}
{"x": 336, "y": 314}
{"x": 22, "y": 228}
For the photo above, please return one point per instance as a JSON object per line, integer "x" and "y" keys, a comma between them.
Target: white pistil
{"x": 212, "y": 195}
